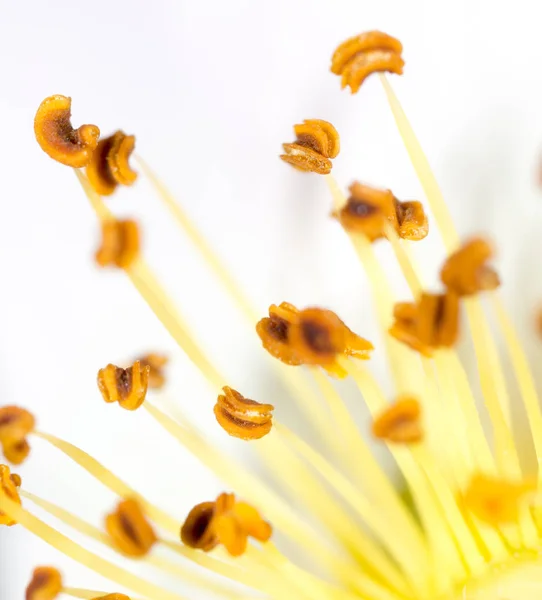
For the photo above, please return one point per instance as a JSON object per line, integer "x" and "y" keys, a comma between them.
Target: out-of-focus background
{"x": 211, "y": 89}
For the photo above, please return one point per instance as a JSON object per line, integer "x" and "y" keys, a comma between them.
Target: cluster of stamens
{"x": 313, "y": 337}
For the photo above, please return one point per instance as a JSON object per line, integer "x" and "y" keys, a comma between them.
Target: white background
{"x": 212, "y": 88}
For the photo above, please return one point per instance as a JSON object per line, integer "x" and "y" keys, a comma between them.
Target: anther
{"x": 496, "y": 501}
{"x": 429, "y": 323}
{"x": 273, "y": 332}
{"x": 227, "y": 522}
{"x": 15, "y": 424}
{"x": 8, "y": 487}
{"x": 316, "y": 142}
{"x": 367, "y": 53}
{"x": 465, "y": 272}
{"x": 130, "y": 530}
{"x": 400, "y": 423}
{"x": 120, "y": 244}
{"x": 109, "y": 165}
{"x": 46, "y": 584}
{"x": 156, "y": 363}
{"x": 370, "y": 211}
{"x": 317, "y": 336}
{"x": 241, "y": 417}
{"x": 57, "y": 137}
{"x": 313, "y": 336}
{"x": 128, "y": 386}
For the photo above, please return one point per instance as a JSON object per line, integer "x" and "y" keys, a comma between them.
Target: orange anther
{"x": 57, "y": 137}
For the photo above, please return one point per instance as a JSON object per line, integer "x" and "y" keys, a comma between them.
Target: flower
{"x": 468, "y": 521}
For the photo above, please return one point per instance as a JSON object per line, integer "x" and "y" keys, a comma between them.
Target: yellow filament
{"x": 330, "y": 513}
{"x": 339, "y": 199}
{"x": 268, "y": 560}
{"x": 151, "y": 291}
{"x": 369, "y": 471}
{"x": 492, "y": 387}
{"x": 404, "y": 261}
{"x": 453, "y": 377}
{"x": 423, "y": 170}
{"x": 87, "y": 594}
{"x": 199, "y": 241}
{"x": 442, "y": 544}
{"x": 102, "y": 212}
{"x": 76, "y": 552}
{"x": 524, "y": 378}
{"x": 404, "y": 365}
{"x": 110, "y": 480}
{"x": 369, "y": 513}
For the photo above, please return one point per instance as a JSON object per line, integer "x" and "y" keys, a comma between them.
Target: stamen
{"x": 294, "y": 379}
{"x": 276, "y": 510}
{"x": 420, "y": 163}
{"x": 375, "y": 562}
{"x": 73, "y": 550}
{"x": 175, "y": 569}
{"x": 367, "y": 53}
{"x": 434, "y": 520}
{"x": 111, "y": 481}
{"x": 381, "y": 527}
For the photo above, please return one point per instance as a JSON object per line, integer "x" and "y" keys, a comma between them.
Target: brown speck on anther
{"x": 466, "y": 272}
{"x": 109, "y": 165}
{"x": 46, "y": 584}
{"x": 241, "y": 417}
{"x": 8, "y": 487}
{"x": 430, "y": 323}
{"x": 316, "y": 142}
{"x": 57, "y": 137}
{"x": 196, "y": 531}
{"x": 400, "y": 423}
{"x": 120, "y": 244}
{"x": 367, "y": 53}
{"x": 128, "y": 386}
{"x": 130, "y": 530}
{"x": 318, "y": 336}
